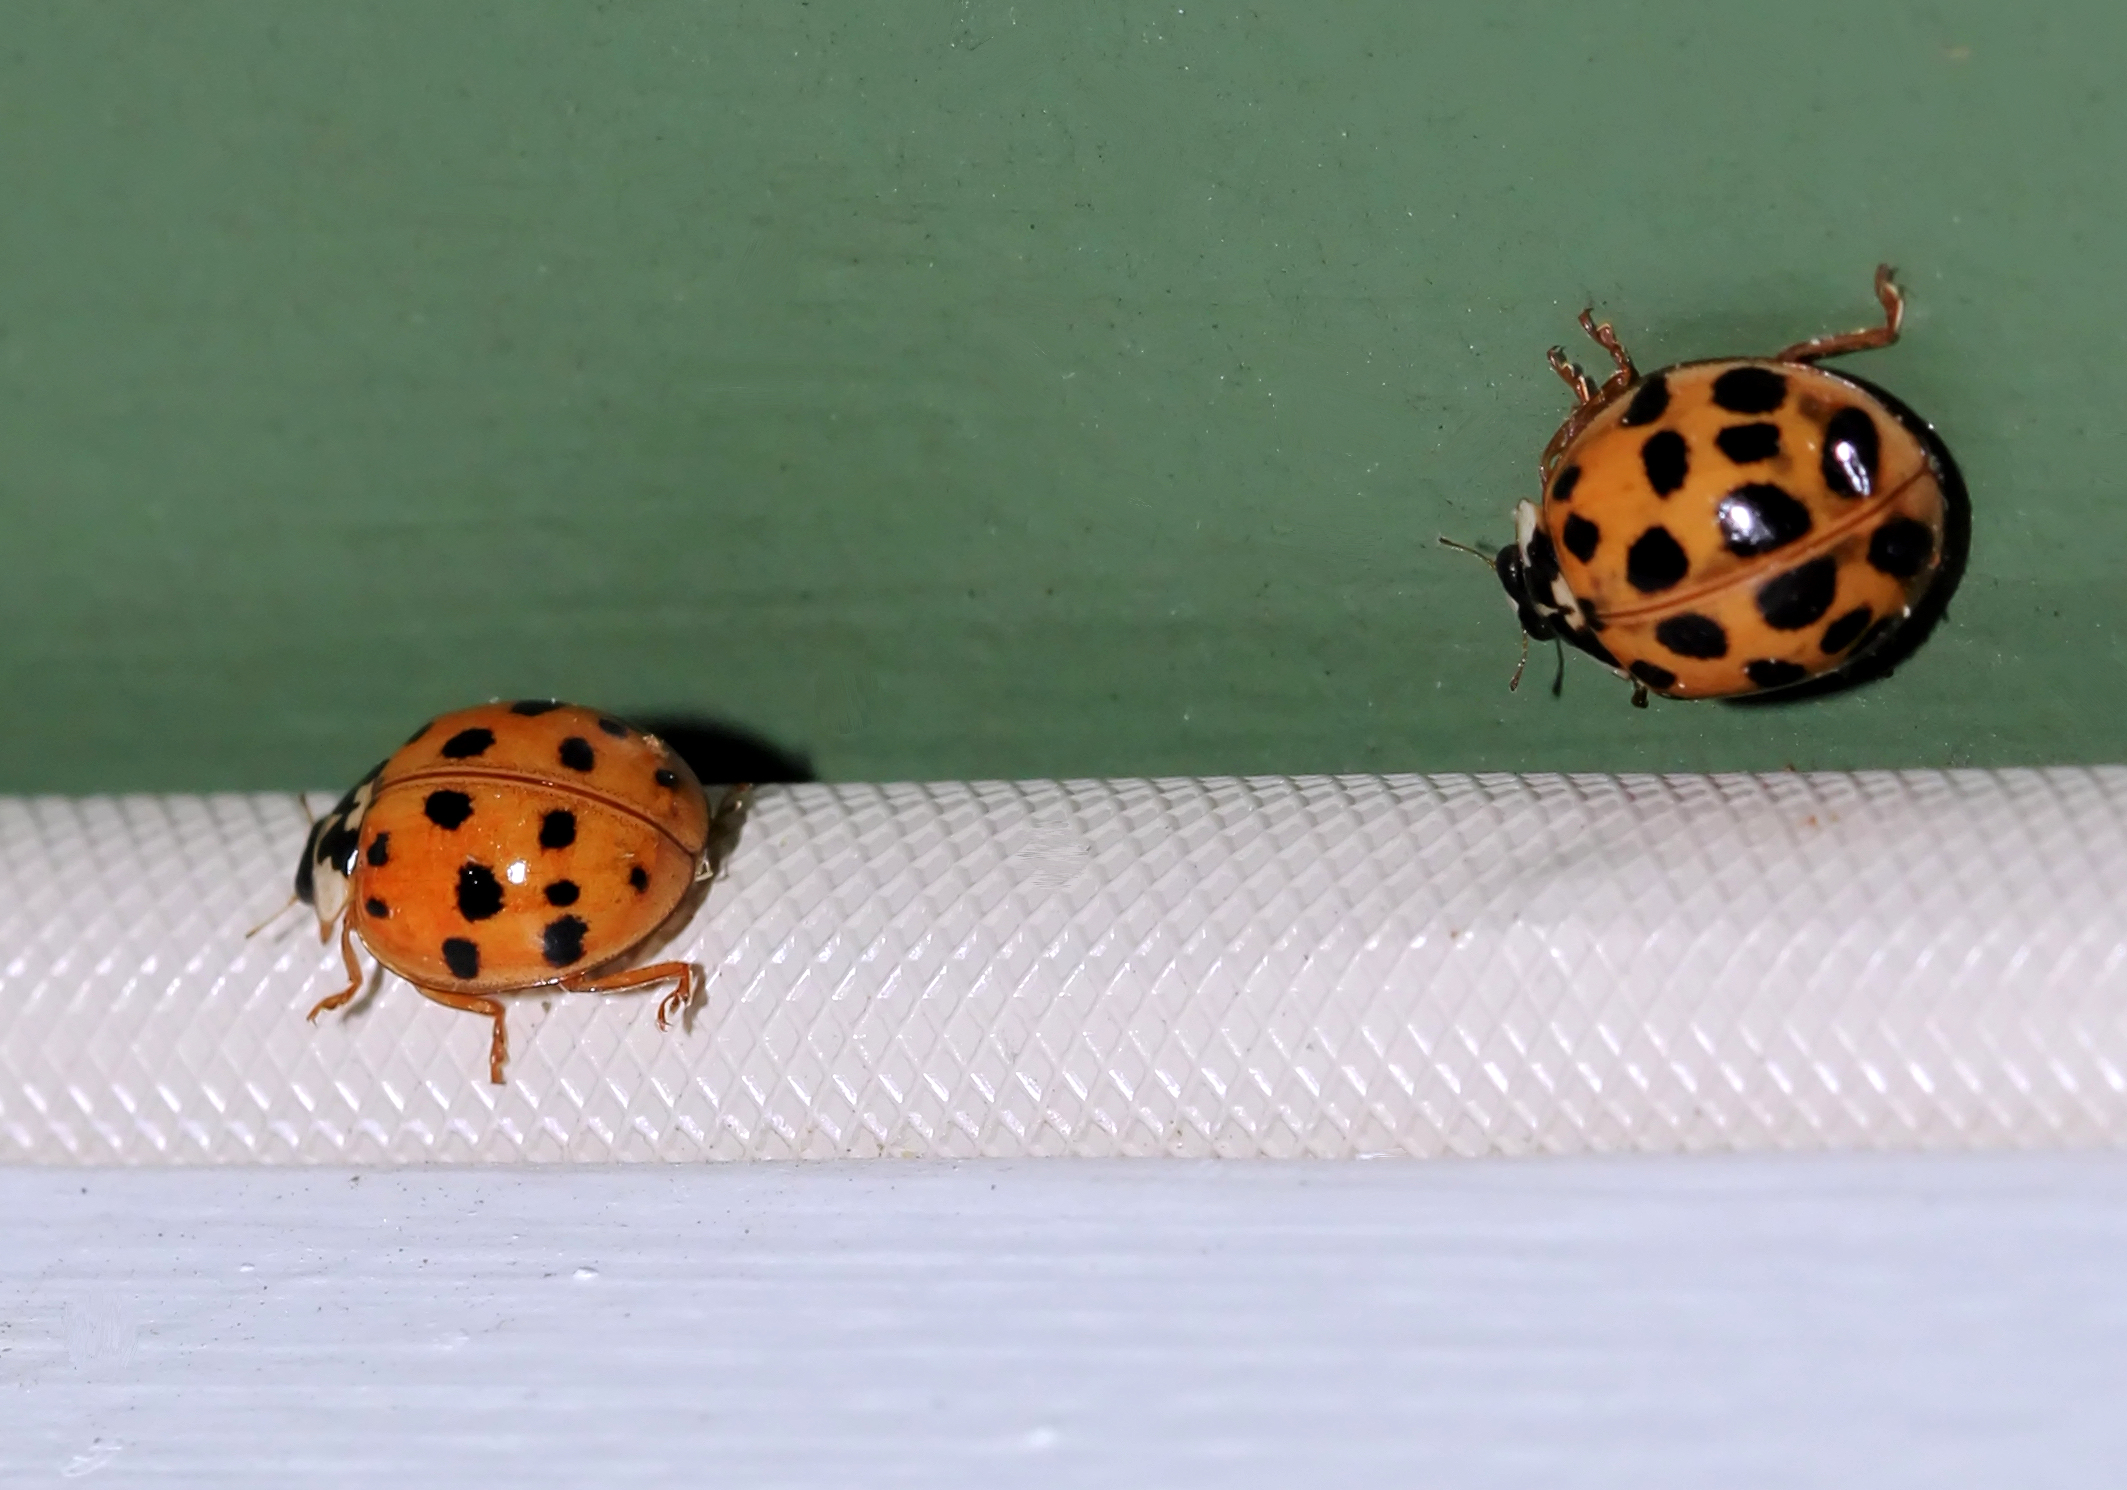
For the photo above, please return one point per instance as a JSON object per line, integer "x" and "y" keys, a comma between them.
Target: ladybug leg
{"x": 1604, "y": 336}
{"x": 498, "y": 1049}
{"x": 354, "y": 974}
{"x": 1893, "y": 301}
{"x": 637, "y": 977}
{"x": 1582, "y": 385}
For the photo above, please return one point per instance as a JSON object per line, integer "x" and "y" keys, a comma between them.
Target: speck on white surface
{"x": 1868, "y": 1320}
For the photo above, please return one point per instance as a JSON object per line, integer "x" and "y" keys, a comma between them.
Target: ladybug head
{"x": 1513, "y": 574}
{"x": 322, "y": 873}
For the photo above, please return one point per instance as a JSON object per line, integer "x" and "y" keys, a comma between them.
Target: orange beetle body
{"x": 1732, "y": 527}
{"x": 508, "y": 847}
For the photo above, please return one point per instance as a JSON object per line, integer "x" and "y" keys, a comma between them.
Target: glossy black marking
{"x": 468, "y": 743}
{"x": 1760, "y": 517}
{"x": 1747, "y": 444}
{"x": 534, "y": 706}
{"x": 1653, "y": 674}
{"x": 1845, "y": 631}
{"x": 1800, "y": 596}
{"x": 377, "y": 909}
{"x": 1655, "y": 561}
{"x": 639, "y": 878}
{"x": 1902, "y": 547}
{"x": 562, "y": 941}
{"x": 1594, "y": 649}
{"x": 1542, "y": 561}
{"x": 667, "y": 777}
{"x": 461, "y": 957}
{"x": 577, "y": 754}
{"x": 380, "y": 850}
{"x": 447, "y": 809}
{"x": 1750, "y": 390}
{"x": 1563, "y": 483}
{"x": 337, "y": 845}
{"x": 1850, "y": 453}
{"x": 1666, "y": 459}
{"x": 1582, "y": 537}
{"x": 614, "y": 728}
{"x": 1772, "y": 672}
{"x": 562, "y": 892}
{"x": 1648, "y": 404}
{"x": 479, "y": 892}
{"x": 1692, "y": 635}
{"x": 557, "y": 829}
{"x": 1590, "y": 616}
{"x": 306, "y": 882}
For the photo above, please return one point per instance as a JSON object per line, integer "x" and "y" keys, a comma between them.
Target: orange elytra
{"x": 508, "y": 847}
{"x": 1739, "y": 526}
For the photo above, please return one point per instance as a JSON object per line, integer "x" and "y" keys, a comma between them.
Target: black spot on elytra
{"x": 1563, "y": 483}
{"x": 557, "y": 829}
{"x": 562, "y": 892}
{"x": 447, "y": 809}
{"x": 1772, "y": 672}
{"x": 1653, "y": 674}
{"x": 1760, "y": 517}
{"x": 461, "y": 957}
{"x": 1581, "y": 537}
{"x": 479, "y": 892}
{"x": 377, "y": 909}
{"x": 380, "y": 850}
{"x": 1850, "y": 453}
{"x": 667, "y": 777}
{"x": 639, "y": 878}
{"x": 614, "y": 728}
{"x": 577, "y": 754}
{"x": 1746, "y": 444}
{"x": 534, "y": 706}
{"x": 1750, "y": 390}
{"x": 1902, "y": 547}
{"x": 562, "y": 941}
{"x": 1667, "y": 460}
{"x": 1648, "y": 404}
{"x": 1800, "y": 596}
{"x": 1845, "y": 631}
{"x": 468, "y": 743}
{"x": 1655, "y": 561}
{"x": 1692, "y": 635}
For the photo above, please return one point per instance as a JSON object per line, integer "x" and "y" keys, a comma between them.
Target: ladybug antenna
{"x": 1464, "y": 548}
{"x": 1515, "y": 681}
{"x": 286, "y": 906}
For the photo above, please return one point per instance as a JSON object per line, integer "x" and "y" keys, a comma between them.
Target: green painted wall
{"x": 988, "y": 389}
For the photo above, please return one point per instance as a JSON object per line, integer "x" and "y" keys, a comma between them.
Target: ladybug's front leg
{"x": 354, "y": 972}
{"x": 498, "y": 1050}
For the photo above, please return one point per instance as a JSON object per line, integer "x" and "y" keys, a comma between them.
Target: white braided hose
{"x": 1350, "y": 966}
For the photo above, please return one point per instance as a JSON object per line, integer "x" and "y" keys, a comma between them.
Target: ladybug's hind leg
{"x": 639, "y": 977}
{"x": 1893, "y": 301}
{"x": 498, "y": 1050}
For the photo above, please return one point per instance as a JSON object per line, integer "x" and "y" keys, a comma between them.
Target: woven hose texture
{"x": 1275, "y": 967}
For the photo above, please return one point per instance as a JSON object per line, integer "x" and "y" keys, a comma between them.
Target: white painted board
{"x": 1880, "y": 1321}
